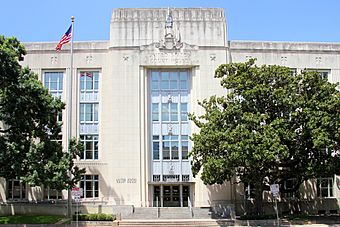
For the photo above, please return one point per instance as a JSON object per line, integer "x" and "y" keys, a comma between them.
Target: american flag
{"x": 89, "y": 74}
{"x": 65, "y": 39}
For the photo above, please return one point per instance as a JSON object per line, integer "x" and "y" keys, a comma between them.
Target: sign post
{"x": 275, "y": 189}
{"x": 338, "y": 185}
{"x": 76, "y": 194}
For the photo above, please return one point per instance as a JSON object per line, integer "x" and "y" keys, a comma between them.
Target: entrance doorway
{"x": 171, "y": 195}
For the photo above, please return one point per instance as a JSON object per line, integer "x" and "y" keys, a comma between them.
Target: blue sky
{"x": 272, "y": 20}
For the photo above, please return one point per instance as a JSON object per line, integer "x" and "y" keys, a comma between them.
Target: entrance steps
{"x": 172, "y": 216}
{"x": 174, "y": 213}
{"x": 175, "y": 222}
{"x": 160, "y": 213}
{"x": 142, "y": 213}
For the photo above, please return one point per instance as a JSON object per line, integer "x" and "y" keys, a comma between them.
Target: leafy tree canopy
{"x": 29, "y": 127}
{"x": 271, "y": 125}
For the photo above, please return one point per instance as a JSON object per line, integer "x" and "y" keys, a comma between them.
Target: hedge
{"x": 95, "y": 217}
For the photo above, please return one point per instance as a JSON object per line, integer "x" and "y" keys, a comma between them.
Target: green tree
{"x": 270, "y": 126}
{"x": 29, "y": 126}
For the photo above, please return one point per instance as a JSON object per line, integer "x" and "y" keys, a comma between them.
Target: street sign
{"x": 77, "y": 192}
{"x": 76, "y": 198}
{"x": 274, "y": 188}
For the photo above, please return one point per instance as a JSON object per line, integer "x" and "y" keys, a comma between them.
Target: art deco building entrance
{"x": 171, "y": 177}
{"x": 171, "y": 195}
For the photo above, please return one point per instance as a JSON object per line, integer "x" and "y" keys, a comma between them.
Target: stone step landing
{"x": 175, "y": 222}
{"x": 159, "y": 213}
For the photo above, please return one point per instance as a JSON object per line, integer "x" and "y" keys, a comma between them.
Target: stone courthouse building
{"x": 130, "y": 99}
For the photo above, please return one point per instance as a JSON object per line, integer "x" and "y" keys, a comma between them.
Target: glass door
{"x": 171, "y": 196}
{"x": 186, "y": 195}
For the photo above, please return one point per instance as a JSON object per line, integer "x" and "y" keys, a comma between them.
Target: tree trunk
{"x": 258, "y": 199}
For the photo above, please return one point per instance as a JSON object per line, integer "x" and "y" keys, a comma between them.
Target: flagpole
{"x": 69, "y": 196}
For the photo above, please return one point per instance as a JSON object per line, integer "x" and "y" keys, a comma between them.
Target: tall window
{"x": 53, "y": 81}
{"x": 90, "y": 143}
{"x": 89, "y": 114}
{"x": 325, "y": 187}
{"x": 16, "y": 190}
{"x": 90, "y": 186}
{"x": 169, "y": 114}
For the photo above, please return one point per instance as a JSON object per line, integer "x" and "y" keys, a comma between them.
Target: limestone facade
{"x": 130, "y": 95}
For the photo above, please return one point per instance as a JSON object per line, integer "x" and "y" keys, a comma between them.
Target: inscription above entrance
{"x": 170, "y": 58}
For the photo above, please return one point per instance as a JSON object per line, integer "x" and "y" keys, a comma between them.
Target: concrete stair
{"x": 174, "y": 213}
{"x": 171, "y": 216}
{"x": 174, "y": 222}
{"x": 163, "y": 213}
{"x": 203, "y": 213}
{"x": 143, "y": 213}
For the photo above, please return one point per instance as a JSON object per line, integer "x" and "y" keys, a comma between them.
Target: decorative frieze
{"x": 54, "y": 60}
{"x": 283, "y": 60}
{"x": 89, "y": 59}
{"x": 212, "y": 57}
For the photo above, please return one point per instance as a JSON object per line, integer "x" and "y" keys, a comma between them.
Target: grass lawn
{"x": 32, "y": 219}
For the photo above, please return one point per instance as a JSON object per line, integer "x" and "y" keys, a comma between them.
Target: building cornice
{"x": 291, "y": 47}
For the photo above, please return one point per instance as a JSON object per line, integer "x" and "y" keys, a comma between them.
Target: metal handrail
{"x": 190, "y": 207}
{"x": 157, "y": 205}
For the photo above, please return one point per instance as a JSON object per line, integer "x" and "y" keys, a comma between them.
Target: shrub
{"x": 94, "y": 217}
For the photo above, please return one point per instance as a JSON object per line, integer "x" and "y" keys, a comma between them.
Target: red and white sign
{"x": 77, "y": 192}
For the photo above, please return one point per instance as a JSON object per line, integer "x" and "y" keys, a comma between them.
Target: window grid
{"x": 169, "y": 80}
{"x": 170, "y": 147}
{"x": 53, "y": 81}
{"x": 325, "y": 187}
{"x": 90, "y": 186}
{"x": 89, "y": 81}
{"x": 89, "y": 112}
{"x": 16, "y": 190}
{"x": 170, "y": 109}
{"x": 90, "y": 143}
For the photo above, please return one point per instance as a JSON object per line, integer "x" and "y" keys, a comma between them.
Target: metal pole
{"x": 277, "y": 212}
{"x": 69, "y": 118}
{"x": 77, "y": 212}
